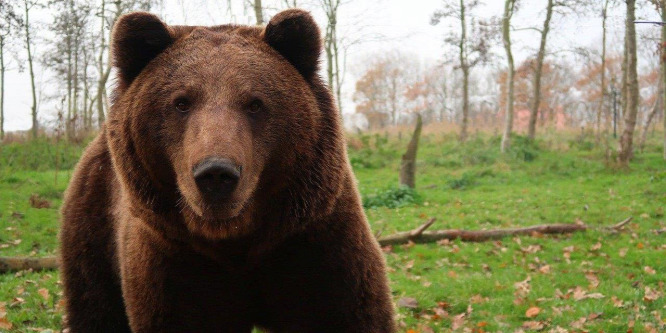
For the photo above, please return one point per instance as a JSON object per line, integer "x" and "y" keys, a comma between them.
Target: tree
{"x": 381, "y": 92}
{"x": 9, "y": 22}
{"x": 625, "y": 151}
{"x": 602, "y": 84}
{"x": 509, "y": 8}
{"x": 108, "y": 17}
{"x": 661, "y": 8}
{"x": 69, "y": 58}
{"x": 536, "y": 99}
{"x": 551, "y": 9}
{"x": 332, "y": 48}
{"x": 408, "y": 164}
{"x": 258, "y": 11}
{"x": 290, "y": 3}
{"x": 472, "y": 49}
{"x": 27, "y": 6}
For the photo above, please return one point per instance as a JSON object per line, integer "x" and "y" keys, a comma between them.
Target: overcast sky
{"x": 400, "y": 24}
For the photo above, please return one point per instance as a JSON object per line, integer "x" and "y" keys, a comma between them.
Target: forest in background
{"x": 475, "y": 84}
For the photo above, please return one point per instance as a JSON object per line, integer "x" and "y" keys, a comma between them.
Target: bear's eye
{"x": 255, "y": 106}
{"x": 182, "y": 104}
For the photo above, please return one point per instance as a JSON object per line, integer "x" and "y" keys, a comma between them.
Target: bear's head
{"x": 219, "y": 125}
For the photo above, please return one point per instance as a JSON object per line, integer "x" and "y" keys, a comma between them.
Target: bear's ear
{"x": 137, "y": 38}
{"x": 295, "y": 35}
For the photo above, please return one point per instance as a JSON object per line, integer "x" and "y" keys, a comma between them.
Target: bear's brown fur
{"x": 287, "y": 248}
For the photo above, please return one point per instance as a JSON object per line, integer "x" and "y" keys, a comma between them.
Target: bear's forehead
{"x": 220, "y": 46}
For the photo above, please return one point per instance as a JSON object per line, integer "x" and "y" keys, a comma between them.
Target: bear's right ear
{"x": 137, "y": 38}
{"x": 295, "y": 35}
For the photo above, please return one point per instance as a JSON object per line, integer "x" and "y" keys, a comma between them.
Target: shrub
{"x": 524, "y": 149}
{"x": 373, "y": 152}
{"x": 466, "y": 180}
{"x": 40, "y": 155}
{"x": 392, "y": 197}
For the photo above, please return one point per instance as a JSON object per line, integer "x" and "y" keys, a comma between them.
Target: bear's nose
{"x": 216, "y": 177}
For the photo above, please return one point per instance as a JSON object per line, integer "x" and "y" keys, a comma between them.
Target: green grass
{"x": 469, "y": 187}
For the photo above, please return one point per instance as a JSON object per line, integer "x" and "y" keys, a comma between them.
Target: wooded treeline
{"x": 476, "y": 84}
{"x": 599, "y": 92}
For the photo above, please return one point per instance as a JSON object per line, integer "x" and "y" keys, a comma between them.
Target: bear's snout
{"x": 216, "y": 177}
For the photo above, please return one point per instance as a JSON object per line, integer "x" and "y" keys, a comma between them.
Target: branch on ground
{"x": 417, "y": 235}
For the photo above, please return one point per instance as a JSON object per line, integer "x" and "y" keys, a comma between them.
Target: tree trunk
{"x": 258, "y": 12}
{"x": 2, "y": 88}
{"x": 103, "y": 75}
{"x": 506, "y": 39}
{"x": 626, "y": 141}
{"x": 536, "y": 99}
{"x": 408, "y": 165}
{"x": 648, "y": 122}
{"x": 600, "y": 112}
{"x": 75, "y": 86}
{"x": 465, "y": 69}
{"x": 33, "y": 109}
{"x": 68, "y": 120}
{"x": 331, "y": 49}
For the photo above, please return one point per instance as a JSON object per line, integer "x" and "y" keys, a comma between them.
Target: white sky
{"x": 403, "y": 25}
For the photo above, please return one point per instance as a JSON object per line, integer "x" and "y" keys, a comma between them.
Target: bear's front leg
{"x": 170, "y": 288}
{"x": 142, "y": 270}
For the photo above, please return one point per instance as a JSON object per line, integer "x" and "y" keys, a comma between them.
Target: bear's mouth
{"x": 222, "y": 211}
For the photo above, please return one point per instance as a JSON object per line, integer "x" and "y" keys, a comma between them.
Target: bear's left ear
{"x": 295, "y": 35}
{"x": 137, "y": 38}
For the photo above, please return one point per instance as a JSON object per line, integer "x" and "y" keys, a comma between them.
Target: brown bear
{"x": 218, "y": 195}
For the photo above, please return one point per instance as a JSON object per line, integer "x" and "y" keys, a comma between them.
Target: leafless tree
{"x": 625, "y": 150}
{"x": 472, "y": 49}
{"x": 661, "y": 8}
{"x": 509, "y": 9}
{"x": 10, "y": 21}
{"x": 332, "y": 47}
{"x": 28, "y": 5}
{"x": 108, "y": 17}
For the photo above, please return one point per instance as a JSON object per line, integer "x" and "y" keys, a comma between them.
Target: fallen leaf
{"x": 593, "y": 279}
{"x": 558, "y": 329}
{"x": 522, "y": 287}
{"x": 441, "y": 313}
{"x": 596, "y": 247}
{"x": 651, "y": 295}
{"x": 5, "y": 324}
{"x": 578, "y": 324}
{"x": 649, "y": 270}
{"x": 458, "y": 321}
{"x": 408, "y": 302}
{"x": 37, "y": 202}
{"x": 531, "y": 249}
{"x": 618, "y": 303}
{"x": 477, "y": 299}
{"x": 532, "y": 312}
{"x": 533, "y": 325}
{"x": 545, "y": 269}
{"x": 44, "y": 293}
{"x": 623, "y": 252}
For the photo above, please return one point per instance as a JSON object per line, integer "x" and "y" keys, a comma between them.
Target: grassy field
{"x": 596, "y": 281}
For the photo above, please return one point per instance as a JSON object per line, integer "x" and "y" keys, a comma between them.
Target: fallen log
{"x": 417, "y": 235}
{"x": 23, "y": 263}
